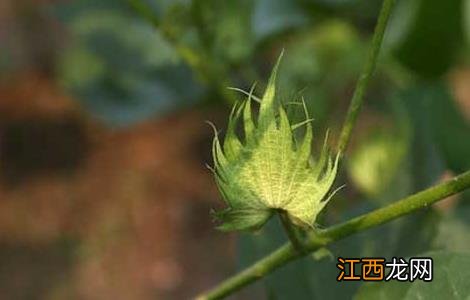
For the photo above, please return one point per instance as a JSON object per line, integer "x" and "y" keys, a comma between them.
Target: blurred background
{"x": 104, "y": 193}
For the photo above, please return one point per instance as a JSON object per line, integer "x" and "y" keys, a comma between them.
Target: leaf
{"x": 121, "y": 69}
{"x": 322, "y": 63}
{"x": 272, "y": 17}
{"x": 451, "y": 274}
{"x": 427, "y": 162}
{"x": 242, "y": 219}
{"x": 420, "y": 25}
{"x": 225, "y": 27}
{"x": 290, "y": 281}
{"x": 451, "y": 130}
{"x": 452, "y": 232}
{"x": 442, "y": 135}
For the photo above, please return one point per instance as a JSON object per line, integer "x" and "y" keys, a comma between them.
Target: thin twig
{"x": 364, "y": 78}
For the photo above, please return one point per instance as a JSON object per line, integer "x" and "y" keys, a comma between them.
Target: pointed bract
{"x": 268, "y": 170}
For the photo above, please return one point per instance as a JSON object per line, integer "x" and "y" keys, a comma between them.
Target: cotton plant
{"x": 265, "y": 171}
{"x": 269, "y": 171}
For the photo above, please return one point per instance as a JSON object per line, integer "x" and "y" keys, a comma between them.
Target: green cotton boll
{"x": 377, "y": 160}
{"x": 268, "y": 170}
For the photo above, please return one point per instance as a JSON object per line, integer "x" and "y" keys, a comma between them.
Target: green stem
{"x": 287, "y": 252}
{"x": 291, "y": 232}
{"x": 364, "y": 78}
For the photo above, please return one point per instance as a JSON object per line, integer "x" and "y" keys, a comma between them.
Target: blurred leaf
{"x": 122, "y": 70}
{"x": 415, "y": 233}
{"x": 332, "y": 47}
{"x": 451, "y": 272}
{"x": 104, "y": 31}
{"x": 427, "y": 161}
{"x": 71, "y": 9}
{"x": 291, "y": 280}
{"x": 441, "y": 132}
{"x": 271, "y": 17}
{"x": 427, "y": 34}
{"x": 452, "y": 233}
{"x": 362, "y": 11}
{"x": 124, "y": 99}
{"x": 233, "y": 33}
{"x": 226, "y": 28}
{"x": 80, "y": 67}
{"x": 319, "y": 65}
{"x": 451, "y": 130}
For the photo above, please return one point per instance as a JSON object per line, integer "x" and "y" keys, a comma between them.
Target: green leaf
{"x": 451, "y": 274}
{"x": 427, "y": 34}
{"x": 225, "y": 28}
{"x": 322, "y": 63}
{"x": 451, "y": 130}
{"x": 452, "y": 232}
{"x": 271, "y": 17}
{"x": 291, "y": 282}
{"x": 120, "y": 68}
{"x": 242, "y": 219}
{"x": 442, "y": 135}
{"x": 420, "y": 25}
{"x": 427, "y": 161}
